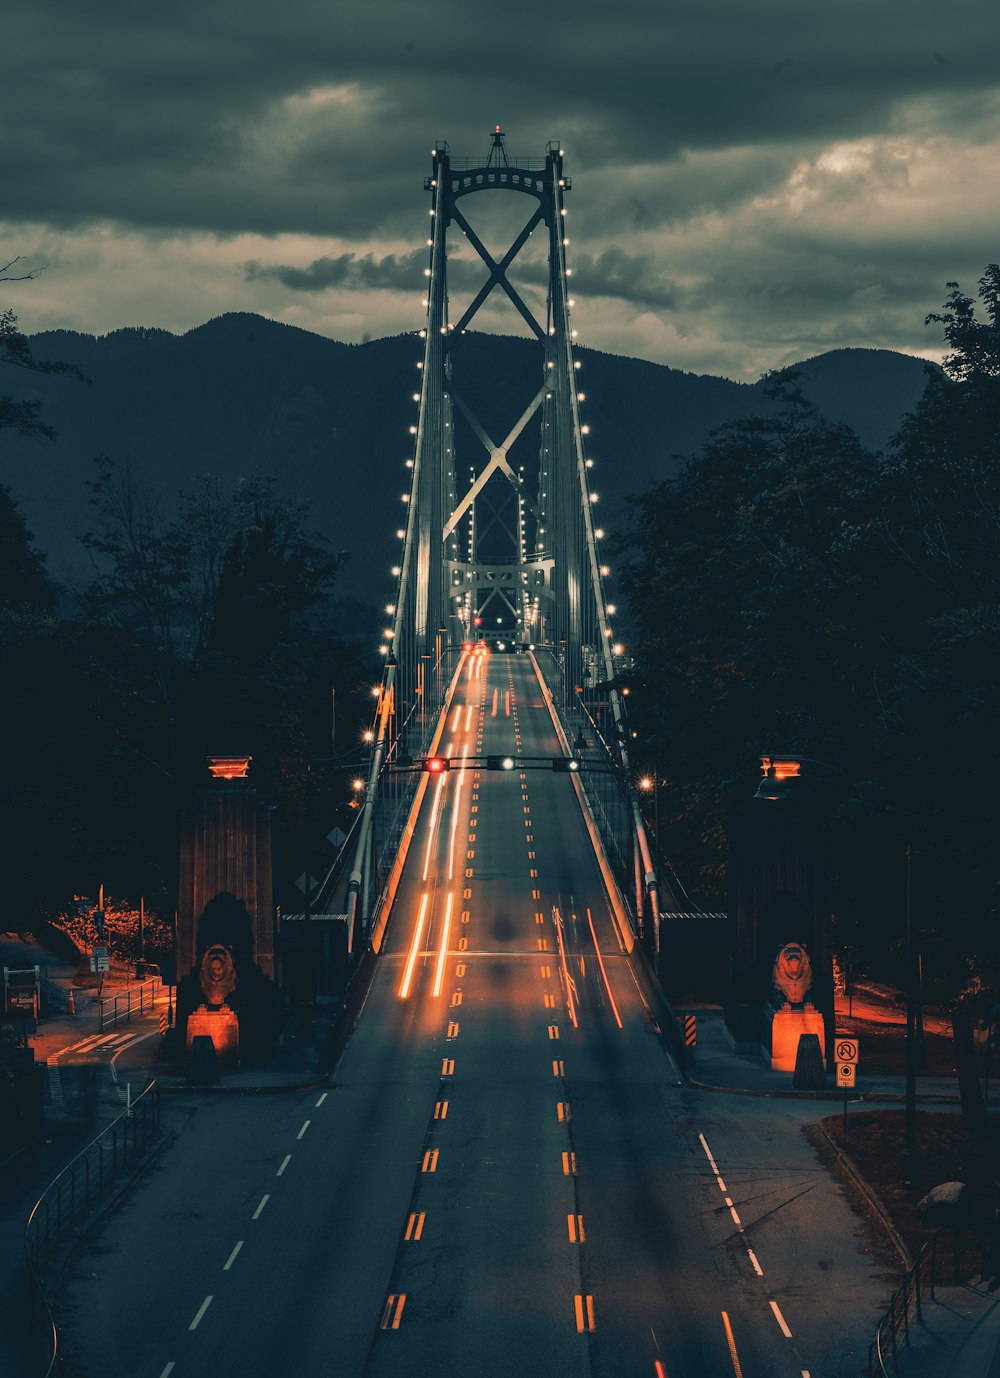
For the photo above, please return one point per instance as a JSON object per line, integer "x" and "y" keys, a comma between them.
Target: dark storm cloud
{"x": 345, "y": 270}
{"x": 615, "y": 273}
{"x": 317, "y": 118}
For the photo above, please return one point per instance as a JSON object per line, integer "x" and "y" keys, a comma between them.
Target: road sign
{"x": 337, "y": 837}
{"x": 99, "y": 959}
{"x": 846, "y": 1072}
{"x": 846, "y": 1049}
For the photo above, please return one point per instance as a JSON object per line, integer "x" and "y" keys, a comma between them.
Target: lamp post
{"x": 647, "y": 783}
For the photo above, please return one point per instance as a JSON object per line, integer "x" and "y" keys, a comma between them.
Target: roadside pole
{"x": 846, "y": 1052}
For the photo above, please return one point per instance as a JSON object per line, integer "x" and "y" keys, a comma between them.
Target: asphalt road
{"x": 505, "y": 1176}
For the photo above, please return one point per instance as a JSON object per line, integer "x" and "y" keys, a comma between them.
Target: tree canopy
{"x": 795, "y": 592}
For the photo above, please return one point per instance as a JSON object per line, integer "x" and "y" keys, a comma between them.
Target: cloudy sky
{"x": 754, "y": 181}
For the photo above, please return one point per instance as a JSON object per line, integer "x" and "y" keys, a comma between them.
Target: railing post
{"x": 906, "y": 1307}
{"x": 916, "y": 1278}
{"x": 893, "y": 1324}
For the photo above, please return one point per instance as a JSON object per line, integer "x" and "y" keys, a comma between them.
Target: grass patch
{"x": 874, "y": 1141}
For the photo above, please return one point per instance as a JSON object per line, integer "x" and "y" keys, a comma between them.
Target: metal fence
{"x": 137, "y": 1000}
{"x": 904, "y": 1307}
{"x": 64, "y": 1207}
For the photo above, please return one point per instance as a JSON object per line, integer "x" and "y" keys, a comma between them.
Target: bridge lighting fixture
{"x": 368, "y": 735}
{"x": 395, "y": 571}
{"x": 618, "y": 649}
{"x": 357, "y": 784}
{"x": 427, "y": 271}
{"x": 611, "y": 609}
{"x": 563, "y": 765}
{"x": 391, "y": 608}
{"x": 605, "y": 571}
{"x": 594, "y": 497}
{"x": 376, "y": 690}
{"x": 577, "y": 364}
{"x": 413, "y": 430}
{"x": 599, "y": 533}
{"x": 588, "y": 464}
{"x": 416, "y": 397}
{"x": 401, "y": 534}
{"x": 383, "y": 650}
{"x": 409, "y": 464}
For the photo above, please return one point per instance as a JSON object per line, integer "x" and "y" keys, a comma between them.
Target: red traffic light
{"x": 477, "y": 621}
{"x": 466, "y": 645}
{"x": 436, "y": 764}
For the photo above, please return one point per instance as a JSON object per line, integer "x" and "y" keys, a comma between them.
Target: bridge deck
{"x": 496, "y": 1168}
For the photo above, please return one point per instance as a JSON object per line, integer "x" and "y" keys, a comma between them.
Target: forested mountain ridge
{"x": 331, "y": 420}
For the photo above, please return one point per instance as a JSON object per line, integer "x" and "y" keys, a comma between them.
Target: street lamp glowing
{"x": 646, "y": 783}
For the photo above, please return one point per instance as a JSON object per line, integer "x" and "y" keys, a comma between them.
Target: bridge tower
{"x": 493, "y": 547}
{"x": 491, "y": 544}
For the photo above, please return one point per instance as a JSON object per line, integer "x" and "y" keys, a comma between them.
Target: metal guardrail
{"x": 65, "y": 1204}
{"x": 904, "y": 1306}
{"x": 136, "y": 1000}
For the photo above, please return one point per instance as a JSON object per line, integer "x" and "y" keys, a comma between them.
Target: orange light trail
{"x": 468, "y": 717}
{"x": 600, "y": 959}
{"x": 404, "y": 988}
{"x": 434, "y": 814}
{"x": 458, "y": 714}
{"x": 496, "y": 695}
{"x": 443, "y": 953}
{"x": 454, "y": 823}
{"x": 568, "y": 980}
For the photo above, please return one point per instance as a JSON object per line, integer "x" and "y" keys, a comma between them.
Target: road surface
{"x": 505, "y": 1176}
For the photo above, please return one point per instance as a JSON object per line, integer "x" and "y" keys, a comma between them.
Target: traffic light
{"x": 434, "y": 765}
{"x": 477, "y": 621}
{"x": 565, "y": 764}
{"x": 500, "y": 763}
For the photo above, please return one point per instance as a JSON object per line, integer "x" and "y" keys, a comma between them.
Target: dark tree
{"x": 794, "y": 592}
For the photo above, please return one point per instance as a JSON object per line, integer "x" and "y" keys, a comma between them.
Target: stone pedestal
{"x": 786, "y": 1027}
{"x": 222, "y": 1027}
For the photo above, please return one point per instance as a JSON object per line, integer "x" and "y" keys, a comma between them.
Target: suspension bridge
{"x": 505, "y": 1174}
{"x": 505, "y": 560}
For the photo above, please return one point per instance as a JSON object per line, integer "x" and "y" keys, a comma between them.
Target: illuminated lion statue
{"x": 217, "y": 974}
{"x": 792, "y": 973}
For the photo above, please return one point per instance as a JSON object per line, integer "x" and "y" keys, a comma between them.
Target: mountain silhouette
{"x": 331, "y": 421}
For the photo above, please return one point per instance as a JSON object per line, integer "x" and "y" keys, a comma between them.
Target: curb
{"x": 828, "y": 1093}
{"x": 870, "y": 1198}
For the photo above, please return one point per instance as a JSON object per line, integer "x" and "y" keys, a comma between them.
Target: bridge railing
{"x": 601, "y": 777}
{"x": 66, "y": 1206}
